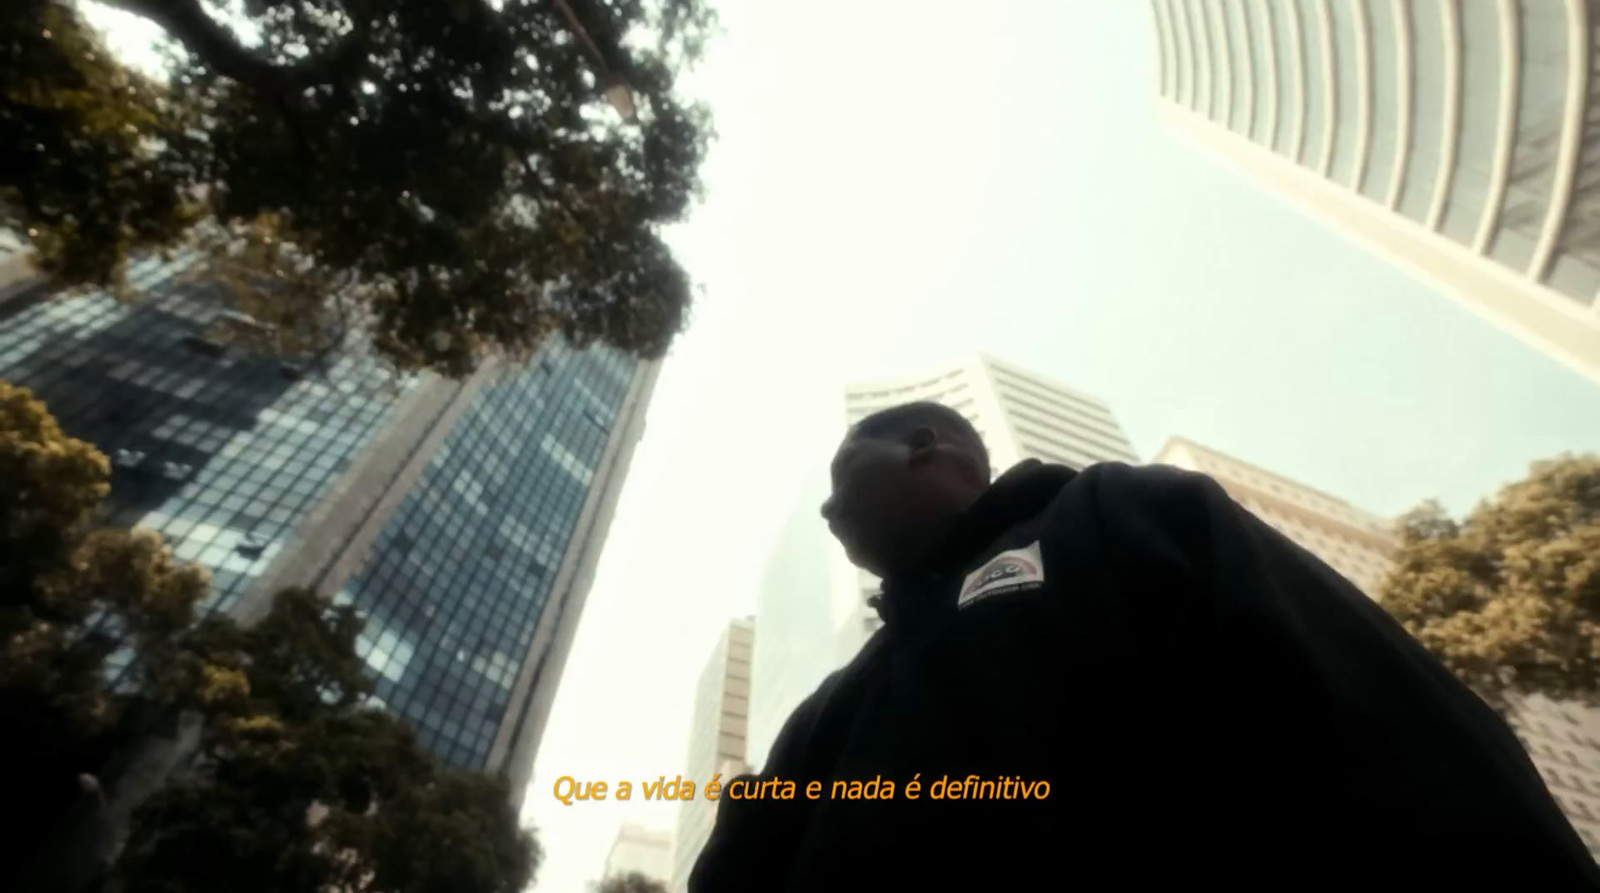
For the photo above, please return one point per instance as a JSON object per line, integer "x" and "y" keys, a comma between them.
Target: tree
{"x": 69, "y": 596}
{"x": 300, "y": 782}
{"x": 1509, "y": 598}
{"x": 456, "y": 177}
{"x": 633, "y": 882}
{"x": 302, "y": 785}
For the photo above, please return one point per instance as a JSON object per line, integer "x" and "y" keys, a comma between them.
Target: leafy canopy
{"x": 1509, "y": 598}
{"x": 633, "y": 882}
{"x": 455, "y": 177}
{"x": 65, "y": 586}
{"x": 302, "y": 785}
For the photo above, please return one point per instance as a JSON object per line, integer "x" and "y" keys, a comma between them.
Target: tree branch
{"x": 599, "y": 35}
{"x": 219, "y": 49}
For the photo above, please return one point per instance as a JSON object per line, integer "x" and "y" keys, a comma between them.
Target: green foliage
{"x": 632, "y": 882}
{"x": 458, "y": 177}
{"x": 58, "y": 577}
{"x": 301, "y": 786}
{"x": 300, "y": 783}
{"x": 1509, "y": 598}
{"x": 83, "y": 171}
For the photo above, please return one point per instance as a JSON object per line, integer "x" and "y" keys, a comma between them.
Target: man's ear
{"x": 922, "y": 441}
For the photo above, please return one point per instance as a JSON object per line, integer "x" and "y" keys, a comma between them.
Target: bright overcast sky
{"x": 900, "y": 181}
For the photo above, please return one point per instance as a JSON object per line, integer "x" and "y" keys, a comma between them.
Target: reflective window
{"x": 1427, "y": 107}
{"x": 1221, "y": 63}
{"x": 1316, "y": 98}
{"x": 1480, "y": 110}
{"x": 1346, "y": 97}
{"x": 1385, "y": 97}
{"x": 1205, "y": 56}
{"x": 1164, "y": 49}
{"x": 461, "y": 573}
{"x": 1279, "y": 23}
{"x": 1542, "y": 93}
{"x": 1257, "y": 34}
{"x": 1241, "y": 62}
{"x": 201, "y": 444}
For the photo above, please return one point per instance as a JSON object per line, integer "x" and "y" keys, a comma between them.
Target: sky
{"x": 900, "y": 182}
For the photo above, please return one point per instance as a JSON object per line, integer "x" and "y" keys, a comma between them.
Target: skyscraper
{"x": 1562, "y": 739}
{"x": 716, "y": 740}
{"x": 1353, "y": 542}
{"x": 1459, "y": 139}
{"x": 463, "y": 518}
{"x": 1020, "y": 416}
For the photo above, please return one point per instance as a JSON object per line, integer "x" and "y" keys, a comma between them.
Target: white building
{"x": 640, "y": 850}
{"x": 1020, "y": 416}
{"x": 1459, "y": 139}
{"x": 1355, "y": 543}
{"x": 1562, "y": 739}
{"x": 716, "y": 742}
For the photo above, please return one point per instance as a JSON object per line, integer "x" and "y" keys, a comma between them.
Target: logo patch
{"x": 1009, "y": 571}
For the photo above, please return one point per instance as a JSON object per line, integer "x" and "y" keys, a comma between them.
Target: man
{"x": 1119, "y": 679}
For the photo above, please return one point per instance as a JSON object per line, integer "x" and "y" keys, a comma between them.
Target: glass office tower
{"x": 459, "y": 576}
{"x": 464, "y": 518}
{"x": 221, "y": 452}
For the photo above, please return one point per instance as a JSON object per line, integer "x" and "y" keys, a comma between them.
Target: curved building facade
{"x": 1459, "y": 139}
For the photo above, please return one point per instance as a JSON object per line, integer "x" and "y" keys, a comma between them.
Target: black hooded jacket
{"x": 1210, "y": 706}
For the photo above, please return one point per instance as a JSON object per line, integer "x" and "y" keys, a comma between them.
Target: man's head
{"x": 900, "y": 477}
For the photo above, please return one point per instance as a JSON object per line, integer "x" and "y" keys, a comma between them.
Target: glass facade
{"x": 233, "y": 457}
{"x": 1402, "y": 101}
{"x": 458, "y": 577}
{"x": 794, "y": 618}
{"x": 221, "y": 452}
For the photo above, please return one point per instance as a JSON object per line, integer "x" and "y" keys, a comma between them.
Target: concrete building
{"x": 463, "y": 518}
{"x": 1355, "y": 543}
{"x": 716, "y": 740}
{"x": 1562, "y": 739}
{"x": 1459, "y": 139}
{"x": 640, "y": 850}
{"x": 1019, "y": 414}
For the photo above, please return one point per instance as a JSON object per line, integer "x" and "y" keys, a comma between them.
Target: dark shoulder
{"x": 1118, "y": 486}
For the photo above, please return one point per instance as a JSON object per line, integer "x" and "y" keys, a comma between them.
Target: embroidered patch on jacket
{"x": 1010, "y": 571}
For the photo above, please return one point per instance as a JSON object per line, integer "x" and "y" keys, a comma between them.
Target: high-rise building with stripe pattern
{"x": 1459, "y": 139}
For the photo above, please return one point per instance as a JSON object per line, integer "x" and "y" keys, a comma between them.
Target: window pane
{"x": 1480, "y": 109}
{"x": 1543, "y": 91}
{"x": 1277, "y": 24}
{"x": 1200, "y": 40}
{"x": 1576, "y": 269}
{"x": 1427, "y": 107}
{"x": 1240, "y": 60}
{"x": 1385, "y": 98}
{"x": 1256, "y": 33}
{"x": 1316, "y": 98}
{"x": 1346, "y": 95}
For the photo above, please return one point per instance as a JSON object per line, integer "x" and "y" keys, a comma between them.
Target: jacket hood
{"x": 1022, "y": 492}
